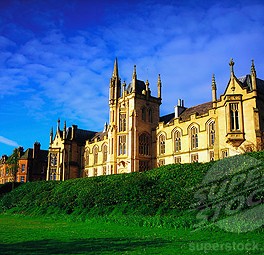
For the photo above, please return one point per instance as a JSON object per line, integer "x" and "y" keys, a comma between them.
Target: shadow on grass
{"x": 79, "y": 246}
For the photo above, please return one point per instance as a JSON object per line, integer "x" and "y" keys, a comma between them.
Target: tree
{"x": 12, "y": 163}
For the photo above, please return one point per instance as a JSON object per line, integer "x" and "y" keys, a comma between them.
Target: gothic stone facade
{"x": 138, "y": 139}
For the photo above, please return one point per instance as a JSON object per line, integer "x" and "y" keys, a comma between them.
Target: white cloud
{"x": 68, "y": 74}
{"x": 7, "y": 141}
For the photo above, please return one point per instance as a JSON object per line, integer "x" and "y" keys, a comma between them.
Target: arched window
{"x": 143, "y": 113}
{"x": 53, "y": 159}
{"x": 194, "y": 138}
{"x": 234, "y": 116}
{"x": 162, "y": 144}
{"x": 104, "y": 150}
{"x": 211, "y": 131}
{"x": 95, "y": 154}
{"x": 122, "y": 122}
{"x": 87, "y": 157}
{"x": 177, "y": 141}
{"x": 122, "y": 144}
{"x": 144, "y": 142}
{"x": 150, "y": 115}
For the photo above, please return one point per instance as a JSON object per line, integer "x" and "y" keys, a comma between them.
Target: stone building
{"x": 66, "y": 150}
{"x": 137, "y": 138}
{"x": 31, "y": 165}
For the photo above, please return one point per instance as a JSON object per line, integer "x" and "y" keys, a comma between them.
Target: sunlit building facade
{"x": 137, "y": 138}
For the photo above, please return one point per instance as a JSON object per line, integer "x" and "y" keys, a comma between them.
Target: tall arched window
{"x": 95, "y": 154}
{"x": 122, "y": 144}
{"x": 150, "y": 115}
{"x": 144, "y": 143}
{"x": 87, "y": 157}
{"x": 143, "y": 113}
{"x": 211, "y": 131}
{"x": 194, "y": 138}
{"x": 177, "y": 140}
{"x": 122, "y": 122}
{"x": 104, "y": 150}
{"x": 162, "y": 144}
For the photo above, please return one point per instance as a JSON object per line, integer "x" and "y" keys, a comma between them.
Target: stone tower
{"x": 134, "y": 116}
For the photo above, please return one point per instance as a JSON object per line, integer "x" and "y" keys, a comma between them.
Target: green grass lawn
{"x": 31, "y": 235}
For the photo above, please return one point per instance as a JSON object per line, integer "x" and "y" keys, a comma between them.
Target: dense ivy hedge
{"x": 165, "y": 191}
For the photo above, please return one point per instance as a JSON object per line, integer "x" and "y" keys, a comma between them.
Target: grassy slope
{"x": 136, "y": 213}
{"x": 39, "y": 236}
{"x": 160, "y": 197}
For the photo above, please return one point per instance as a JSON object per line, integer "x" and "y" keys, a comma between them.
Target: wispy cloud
{"x": 57, "y": 72}
{"x": 7, "y": 141}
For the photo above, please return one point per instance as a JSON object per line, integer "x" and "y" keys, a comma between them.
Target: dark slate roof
{"x": 28, "y": 154}
{"x": 200, "y": 109}
{"x": 260, "y": 86}
{"x": 246, "y": 83}
{"x": 167, "y": 118}
{"x": 83, "y": 135}
{"x": 140, "y": 86}
{"x": 99, "y": 136}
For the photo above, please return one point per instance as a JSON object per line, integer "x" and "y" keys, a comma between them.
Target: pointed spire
{"x": 115, "y": 71}
{"x": 135, "y": 72}
{"x": 134, "y": 79}
{"x": 64, "y": 130}
{"x": 213, "y": 82}
{"x": 58, "y": 125}
{"x": 214, "y": 96}
{"x": 51, "y": 135}
{"x": 253, "y": 77}
{"x": 124, "y": 88}
{"x": 159, "y": 86}
{"x": 231, "y": 64}
{"x": 105, "y": 127}
{"x": 253, "y": 70}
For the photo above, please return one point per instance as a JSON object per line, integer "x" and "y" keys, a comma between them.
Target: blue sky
{"x": 57, "y": 57}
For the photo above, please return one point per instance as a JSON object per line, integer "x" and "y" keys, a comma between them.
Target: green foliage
{"x": 7, "y": 187}
{"x": 12, "y": 162}
{"x": 159, "y": 197}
